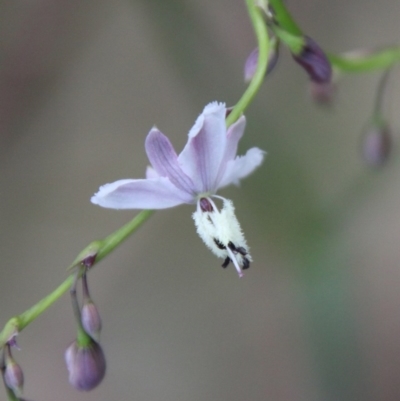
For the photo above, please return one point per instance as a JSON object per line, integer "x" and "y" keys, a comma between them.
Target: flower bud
{"x": 91, "y": 320}
{"x": 250, "y": 65}
{"x": 376, "y": 145}
{"x": 86, "y": 365}
{"x": 314, "y": 61}
{"x": 13, "y": 376}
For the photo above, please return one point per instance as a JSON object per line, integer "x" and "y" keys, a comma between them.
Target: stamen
{"x": 205, "y": 205}
{"x": 226, "y": 262}
{"x": 246, "y": 263}
{"x": 221, "y": 232}
{"x": 235, "y": 262}
{"x": 219, "y": 244}
{"x": 241, "y": 250}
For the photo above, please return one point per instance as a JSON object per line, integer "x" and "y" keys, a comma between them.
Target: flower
{"x": 207, "y": 163}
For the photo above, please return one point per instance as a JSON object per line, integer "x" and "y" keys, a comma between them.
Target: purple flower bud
{"x": 13, "y": 376}
{"x": 376, "y": 145}
{"x": 314, "y": 61}
{"x": 91, "y": 320}
{"x": 250, "y": 65}
{"x": 86, "y": 365}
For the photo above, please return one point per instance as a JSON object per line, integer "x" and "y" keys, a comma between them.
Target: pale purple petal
{"x": 201, "y": 158}
{"x": 156, "y": 193}
{"x": 235, "y": 132}
{"x": 164, "y": 160}
{"x": 242, "y": 166}
{"x": 250, "y": 65}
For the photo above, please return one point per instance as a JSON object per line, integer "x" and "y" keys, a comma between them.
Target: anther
{"x": 205, "y": 205}
{"x": 219, "y": 244}
{"x": 232, "y": 246}
{"x": 226, "y": 262}
{"x": 241, "y": 250}
{"x": 245, "y": 264}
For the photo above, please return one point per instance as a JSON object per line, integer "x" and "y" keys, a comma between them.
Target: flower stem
{"x": 106, "y": 246}
{"x": 261, "y": 32}
{"x": 284, "y": 19}
{"x": 367, "y": 61}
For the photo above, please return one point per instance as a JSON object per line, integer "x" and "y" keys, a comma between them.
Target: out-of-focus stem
{"x": 261, "y": 32}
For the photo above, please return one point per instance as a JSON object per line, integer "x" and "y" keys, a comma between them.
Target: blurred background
{"x": 317, "y": 316}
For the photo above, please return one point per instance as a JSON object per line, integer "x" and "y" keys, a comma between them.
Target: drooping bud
{"x": 313, "y": 59}
{"x": 250, "y": 65}
{"x": 376, "y": 145}
{"x": 86, "y": 365}
{"x": 91, "y": 320}
{"x": 13, "y": 376}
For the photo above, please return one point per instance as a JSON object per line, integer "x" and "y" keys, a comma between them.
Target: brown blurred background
{"x": 317, "y": 317}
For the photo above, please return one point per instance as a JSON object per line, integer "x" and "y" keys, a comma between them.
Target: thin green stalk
{"x": 284, "y": 19}
{"x": 117, "y": 237}
{"x": 261, "y": 32}
{"x": 356, "y": 62}
{"x": 105, "y": 246}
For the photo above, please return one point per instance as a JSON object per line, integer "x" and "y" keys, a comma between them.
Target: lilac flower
{"x": 207, "y": 163}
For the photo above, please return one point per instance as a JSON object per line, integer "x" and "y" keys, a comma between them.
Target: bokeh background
{"x": 317, "y": 316}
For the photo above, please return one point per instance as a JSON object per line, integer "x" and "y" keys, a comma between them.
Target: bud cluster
{"x": 84, "y": 357}
{"x": 377, "y": 139}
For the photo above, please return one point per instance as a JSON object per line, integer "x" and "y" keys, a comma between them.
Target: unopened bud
{"x": 91, "y": 320}
{"x": 13, "y": 376}
{"x": 376, "y": 145}
{"x": 86, "y": 365}
{"x": 313, "y": 59}
{"x": 250, "y": 65}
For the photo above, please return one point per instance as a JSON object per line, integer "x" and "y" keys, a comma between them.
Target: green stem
{"x": 365, "y": 61}
{"x": 261, "y": 32}
{"x": 106, "y": 246}
{"x": 115, "y": 239}
{"x": 284, "y": 19}
{"x": 82, "y": 338}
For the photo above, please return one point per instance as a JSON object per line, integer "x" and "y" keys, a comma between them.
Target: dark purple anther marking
{"x": 226, "y": 262}
{"x": 246, "y": 264}
{"x": 205, "y": 205}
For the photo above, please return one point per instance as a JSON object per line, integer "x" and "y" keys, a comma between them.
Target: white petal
{"x": 242, "y": 166}
{"x": 156, "y": 193}
{"x": 202, "y": 156}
